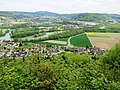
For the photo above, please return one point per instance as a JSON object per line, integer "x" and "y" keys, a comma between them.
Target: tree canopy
{"x": 66, "y": 71}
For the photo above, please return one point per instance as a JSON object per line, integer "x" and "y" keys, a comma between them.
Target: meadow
{"x": 80, "y": 40}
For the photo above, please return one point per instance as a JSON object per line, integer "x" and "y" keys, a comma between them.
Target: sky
{"x": 62, "y": 6}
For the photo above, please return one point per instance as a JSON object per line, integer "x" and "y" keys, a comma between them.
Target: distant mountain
{"x": 46, "y": 13}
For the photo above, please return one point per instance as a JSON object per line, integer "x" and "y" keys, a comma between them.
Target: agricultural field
{"x": 63, "y": 39}
{"x": 56, "y": 41}
{"x": 60, "y": 42}
{"x": 1, "y": 47}
{"x": 3, "y": 17}
{"x": 18, "y": 23}
{"x": 104, "y": 40}
{"x": 49, "y": 43}
{"x": 112, "y": 26}
{"x": 80, "y": 40}
{"x": 48, "y": 25}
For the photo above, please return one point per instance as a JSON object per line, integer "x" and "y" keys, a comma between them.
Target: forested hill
{"x": 91, "y": 17}
{"x": 115, "y": 16}
{"x": 16, "y": 15}
{"x": 77, "y": 16}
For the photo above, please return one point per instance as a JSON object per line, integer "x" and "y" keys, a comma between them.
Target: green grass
{"x": 27, "y": 45}
{"x": 63, "y": 39}
{"x": 1, "y": 47}
{"x": 2, "y": 17}
{"x": 80, "y": 41}
{"x": 50, "y": 24}
{"x": 105, "y": 35}
{"x": 112, "y": 25}
{"x": 50, "y": 44}
{"x": 99, "y": 36}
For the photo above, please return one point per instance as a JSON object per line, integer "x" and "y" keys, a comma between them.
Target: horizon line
{"x": 57, "y": 12}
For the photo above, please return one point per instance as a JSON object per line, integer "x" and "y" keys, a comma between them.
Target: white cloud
{"x": 62, "y": 6}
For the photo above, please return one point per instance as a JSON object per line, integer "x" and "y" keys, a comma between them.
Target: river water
{"x": 7, "y": 36}
{"x": 43, "y": 36}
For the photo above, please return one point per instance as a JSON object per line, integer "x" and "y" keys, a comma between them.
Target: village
{"x": 11, "y": 50}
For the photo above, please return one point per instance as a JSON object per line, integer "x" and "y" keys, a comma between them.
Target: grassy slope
{"x": 80, "y": 41}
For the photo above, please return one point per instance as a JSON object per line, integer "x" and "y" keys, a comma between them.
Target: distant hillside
{"x": 6, "y": 13}
{"x": 115, "y": 16}
{"x": 45, "y": 13}
{"x": 91, "y": 17}
{"x": 15, "y": 14}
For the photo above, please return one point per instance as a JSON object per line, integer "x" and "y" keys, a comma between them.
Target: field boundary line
{"x": 89, "y": 39}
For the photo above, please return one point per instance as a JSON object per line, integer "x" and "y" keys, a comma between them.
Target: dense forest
{"x": 92, "y": 17}
{"x": 67, "y": 71}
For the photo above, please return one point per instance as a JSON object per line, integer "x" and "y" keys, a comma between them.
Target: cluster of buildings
{"x": 12, "y": 50}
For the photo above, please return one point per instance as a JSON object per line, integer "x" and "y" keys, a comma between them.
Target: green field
{"x": 105, "y": 35}
{"x": 49, "y": 25}
{"x": 50, "y": 44}
{"x": 81, "y": 41}
{"x": 26, "y": 45}
{"x": 100, "y": 36}
{"x": 2, "y": 17}
{"x": 63, "y": 39}
{"x": 1, "y": 47}
{"x": 111, "y": 26}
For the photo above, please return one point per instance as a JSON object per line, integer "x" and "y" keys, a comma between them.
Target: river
{"x": 43, "y": 36}
{"x": 6, "y": 37}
